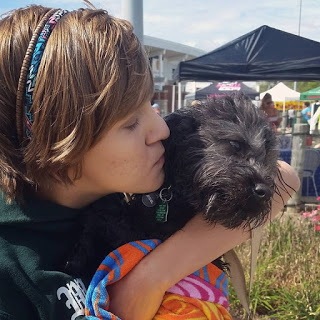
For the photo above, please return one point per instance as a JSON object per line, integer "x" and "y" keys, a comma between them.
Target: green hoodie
{"x": 34, "y": 239}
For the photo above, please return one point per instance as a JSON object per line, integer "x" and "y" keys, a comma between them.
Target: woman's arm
{"x": 138, "y": 295}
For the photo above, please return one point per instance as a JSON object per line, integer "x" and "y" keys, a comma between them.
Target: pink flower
{"x": 313, "y": 213}
{"x": 317, "y": 227}
{"x": 305, "y": 214}
{"x": 315, "y": 218}
{"x": 318, "y": 198}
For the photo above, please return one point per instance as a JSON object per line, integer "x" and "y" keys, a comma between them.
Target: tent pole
{"x": 173, "y": 97}
{"x": 179, "y": 95}
{"x": 284, "y": 117}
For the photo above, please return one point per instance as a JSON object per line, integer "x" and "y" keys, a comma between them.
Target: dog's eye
{"x": 236, "y": 145}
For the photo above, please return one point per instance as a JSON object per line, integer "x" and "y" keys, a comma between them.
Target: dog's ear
{"x": 181, "y": 123}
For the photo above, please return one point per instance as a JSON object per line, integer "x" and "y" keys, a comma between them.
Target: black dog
{"x": 220, "y": 160}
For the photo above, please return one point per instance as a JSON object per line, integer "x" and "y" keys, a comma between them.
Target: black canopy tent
{"x": 263, "y": 54}
{"x": 223, "y": 88}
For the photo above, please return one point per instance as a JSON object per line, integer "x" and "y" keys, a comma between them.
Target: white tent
{"x": 192, "y": 86}
{"x": 281, "y": 92}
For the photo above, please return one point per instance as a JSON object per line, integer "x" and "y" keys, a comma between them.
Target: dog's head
{"x": 221, "y": 158}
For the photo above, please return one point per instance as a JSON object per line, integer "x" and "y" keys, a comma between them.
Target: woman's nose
{"x": 158, "y": 130}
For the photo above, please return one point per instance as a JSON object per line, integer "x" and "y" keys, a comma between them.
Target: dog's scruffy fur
{"x": 220, "y": 161}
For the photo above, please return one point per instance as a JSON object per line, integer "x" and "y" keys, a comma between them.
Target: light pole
{"x": 300, "y": 17}
{"x": 295, "y": 83}
{"x": 132, "y": 10}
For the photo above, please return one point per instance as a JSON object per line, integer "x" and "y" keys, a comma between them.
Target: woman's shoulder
{"x": 32, "y": 243}
{"x": 42, "y": 295}
{"x": 41, "y": 291}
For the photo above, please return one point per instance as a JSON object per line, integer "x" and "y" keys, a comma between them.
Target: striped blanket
{"x": 200, "y": 296}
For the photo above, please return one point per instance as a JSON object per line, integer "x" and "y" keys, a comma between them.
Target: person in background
{"x": 272, "y": 113}
{"x": 195, "y": 103}
{"x": 291, "y": 116}
{"x": 156, "y": 108}
{"x": 306, "y": 112}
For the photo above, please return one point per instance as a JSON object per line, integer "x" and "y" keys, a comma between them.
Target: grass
{"x": 287, "y": 280}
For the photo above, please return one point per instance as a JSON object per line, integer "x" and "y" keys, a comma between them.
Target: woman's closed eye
{"x": 132, "y": 126}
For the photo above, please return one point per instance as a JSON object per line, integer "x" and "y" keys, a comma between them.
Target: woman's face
{"x": 268, "y": 103}
{"x": 129, "y": 157}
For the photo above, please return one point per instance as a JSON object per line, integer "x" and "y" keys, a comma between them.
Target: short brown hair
{"x": 93, "y": 72}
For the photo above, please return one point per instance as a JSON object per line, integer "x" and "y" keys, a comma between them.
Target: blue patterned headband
{"x": 37, "y": 53}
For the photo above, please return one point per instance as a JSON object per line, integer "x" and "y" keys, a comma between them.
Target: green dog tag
{"x": 162, "y": 212}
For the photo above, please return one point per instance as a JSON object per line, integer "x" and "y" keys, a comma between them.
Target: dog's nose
{"x": 261, "y": 191}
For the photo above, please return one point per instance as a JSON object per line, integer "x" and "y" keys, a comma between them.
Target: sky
{"x": 206, "y": 24}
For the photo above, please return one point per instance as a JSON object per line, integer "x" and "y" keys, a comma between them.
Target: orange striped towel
{"x": 202, "y": 295}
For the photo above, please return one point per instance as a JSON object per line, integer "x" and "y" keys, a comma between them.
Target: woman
{"x": 76, "y": 124}
{"x": 271, "y": 112}
{"x": 306, "y": 112}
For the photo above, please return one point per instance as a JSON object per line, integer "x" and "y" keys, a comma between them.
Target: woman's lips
{"x": 160, "y": 162}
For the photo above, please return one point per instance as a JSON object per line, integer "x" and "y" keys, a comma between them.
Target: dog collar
{"x": 161, "y": 199}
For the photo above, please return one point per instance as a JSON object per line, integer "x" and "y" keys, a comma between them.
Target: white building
{"x": 164, "y": 58}
{"x": 164, "y": 55}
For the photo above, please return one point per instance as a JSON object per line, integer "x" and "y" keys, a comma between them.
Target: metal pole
{"x": 295, "y": 83}
{"x": 161, "y": 64}
{"x": 284, "y": 118}
{"x": 179, "y": 95}
{"x": 300, "y": 17}
{"x": 132, "y": 10}
{"x": 173, "y": 97}
{"x": 299, "y": 137}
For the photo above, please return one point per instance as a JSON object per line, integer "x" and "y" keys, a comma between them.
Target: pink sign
{"x": 229, "y": 86}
